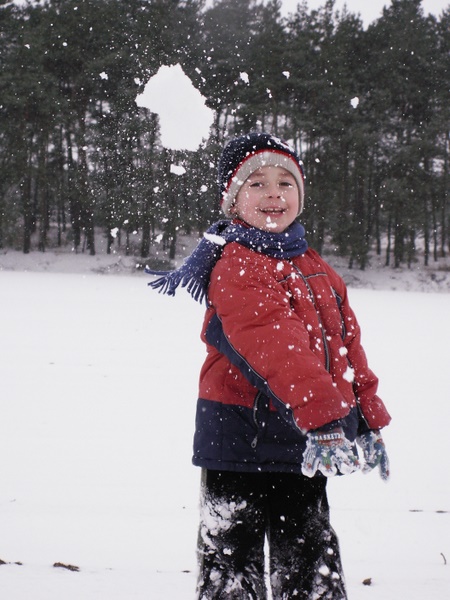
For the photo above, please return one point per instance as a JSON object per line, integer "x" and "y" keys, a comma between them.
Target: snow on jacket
{"x": 284, "y": 357}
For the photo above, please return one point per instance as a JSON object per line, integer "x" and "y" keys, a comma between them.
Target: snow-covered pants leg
{"x": 238, "y": 510}
{"x": 304, "y": 552}
{"x": 231, "y": 538}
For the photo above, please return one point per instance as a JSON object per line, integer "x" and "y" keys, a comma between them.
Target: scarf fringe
{"x": 171, "y": 280}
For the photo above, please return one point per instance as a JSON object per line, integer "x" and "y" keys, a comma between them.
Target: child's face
{"x": 268, "y": 199}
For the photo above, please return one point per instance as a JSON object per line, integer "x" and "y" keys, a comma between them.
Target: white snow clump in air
{"x": 177, "y": 169}
{"x": 354, "y": 101}
{"x": 244, "y": 77}
{"x": 184, "y": 119}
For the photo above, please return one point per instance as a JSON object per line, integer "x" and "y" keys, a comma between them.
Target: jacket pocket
{"x": 261, "y": 412}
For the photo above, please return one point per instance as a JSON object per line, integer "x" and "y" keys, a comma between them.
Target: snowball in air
{"x": 177, "y": 169}
{"x": 184, "y": 119}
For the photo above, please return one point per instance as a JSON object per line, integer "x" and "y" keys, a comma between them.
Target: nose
{"x": 273, "y": 191}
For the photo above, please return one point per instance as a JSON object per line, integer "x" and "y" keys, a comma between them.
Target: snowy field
{"x": 98, "y": 389}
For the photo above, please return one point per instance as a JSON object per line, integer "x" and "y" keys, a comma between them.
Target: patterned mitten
{"x": 329, "y": 452}
{"x": 374, "y": 453}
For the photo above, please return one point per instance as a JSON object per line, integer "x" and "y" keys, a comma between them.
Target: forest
{"x": 367, "y": 109}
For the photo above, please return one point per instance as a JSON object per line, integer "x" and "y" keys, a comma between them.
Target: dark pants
{"x": 239, "y": 511}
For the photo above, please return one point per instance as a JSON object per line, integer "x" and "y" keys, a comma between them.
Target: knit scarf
{"x": 195, "y": 272}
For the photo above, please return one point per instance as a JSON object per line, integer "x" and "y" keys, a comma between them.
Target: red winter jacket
{"x": 284, "y": 357}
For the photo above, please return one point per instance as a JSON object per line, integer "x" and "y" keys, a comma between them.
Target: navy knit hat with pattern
{"x": 245, "y": 154}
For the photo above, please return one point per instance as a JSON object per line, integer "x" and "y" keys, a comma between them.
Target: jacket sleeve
{"x": 373, "y": 411}
{"x": 266, "y": 335}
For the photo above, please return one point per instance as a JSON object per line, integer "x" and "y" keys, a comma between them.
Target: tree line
{"x": 367, "y": 109}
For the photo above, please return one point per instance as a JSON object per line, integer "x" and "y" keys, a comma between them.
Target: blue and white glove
{"x": 374, "y": 453}
{"x": 329, "y": 452}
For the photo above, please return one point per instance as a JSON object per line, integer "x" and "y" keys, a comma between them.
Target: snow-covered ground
{"x": 98, "y": 388}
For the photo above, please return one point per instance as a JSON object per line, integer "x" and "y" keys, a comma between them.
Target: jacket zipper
{"x": 322, "y": 329}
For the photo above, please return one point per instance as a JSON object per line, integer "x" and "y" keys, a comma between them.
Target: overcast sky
{"x": 368, "y": 9}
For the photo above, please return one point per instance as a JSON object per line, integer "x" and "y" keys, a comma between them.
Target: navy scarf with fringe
{"x": 196, "y": 270}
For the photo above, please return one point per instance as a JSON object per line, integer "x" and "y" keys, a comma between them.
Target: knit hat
{"x": 245, "y": 154}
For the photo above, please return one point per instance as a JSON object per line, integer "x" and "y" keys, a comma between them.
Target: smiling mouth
{"x": 273, "y": 211}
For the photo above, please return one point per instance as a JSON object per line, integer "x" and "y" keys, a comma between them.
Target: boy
{"x": 285, "y": 390}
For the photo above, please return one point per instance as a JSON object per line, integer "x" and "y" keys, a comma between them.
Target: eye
{"x": 255, "y": 184}
{"x": 287, "y": 184}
